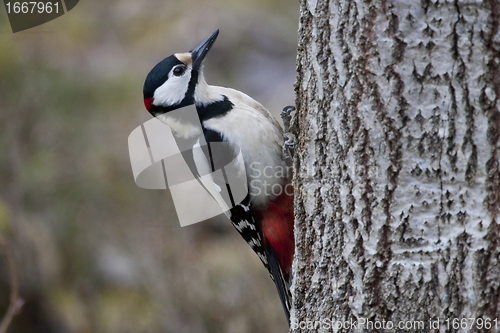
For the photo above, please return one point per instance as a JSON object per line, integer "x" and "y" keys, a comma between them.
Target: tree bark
{"x": 397, "y": 173}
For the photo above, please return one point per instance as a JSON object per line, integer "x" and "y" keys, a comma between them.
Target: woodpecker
{"x": 265, "y": 217}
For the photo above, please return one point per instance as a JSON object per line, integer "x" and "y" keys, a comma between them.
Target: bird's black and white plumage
{"x": 264, "y": 218}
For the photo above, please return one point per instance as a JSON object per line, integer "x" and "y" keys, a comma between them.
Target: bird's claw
{"x": 289, "y": 140}
{"x": 286, "y": 115}
{"x": 289, "y": 137}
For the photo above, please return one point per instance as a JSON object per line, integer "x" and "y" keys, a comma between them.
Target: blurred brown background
{"x": 93, "y": 252}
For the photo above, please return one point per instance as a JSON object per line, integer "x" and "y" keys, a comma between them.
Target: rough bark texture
{"x": 397, "y": 174}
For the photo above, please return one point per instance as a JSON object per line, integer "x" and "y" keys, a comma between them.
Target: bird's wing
{"x": 249, "y": 227}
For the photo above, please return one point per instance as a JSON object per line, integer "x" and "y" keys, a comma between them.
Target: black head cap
{"x": 160, "y": 74}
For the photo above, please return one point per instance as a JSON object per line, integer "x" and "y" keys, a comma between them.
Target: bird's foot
{"x": 289, "y": 136}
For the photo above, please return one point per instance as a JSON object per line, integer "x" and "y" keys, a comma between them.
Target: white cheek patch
{"x": 173, "y": 90}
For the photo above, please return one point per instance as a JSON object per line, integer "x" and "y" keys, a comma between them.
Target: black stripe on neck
{"x": 215, "y": 109}
{"x": 189, "y": 97}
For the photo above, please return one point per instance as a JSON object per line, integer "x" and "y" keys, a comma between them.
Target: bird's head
{"x": 171, "y": 83}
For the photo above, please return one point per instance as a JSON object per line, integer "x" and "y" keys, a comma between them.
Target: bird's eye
{"x": 179, "y": 70}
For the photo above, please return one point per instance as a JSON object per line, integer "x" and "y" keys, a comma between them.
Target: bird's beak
{"x": 199, "y": 52}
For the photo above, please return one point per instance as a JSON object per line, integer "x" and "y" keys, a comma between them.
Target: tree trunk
{"x": 397, "y": 171}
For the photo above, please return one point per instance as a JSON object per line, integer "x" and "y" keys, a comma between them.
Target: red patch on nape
{"x": 148, "y": 102}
